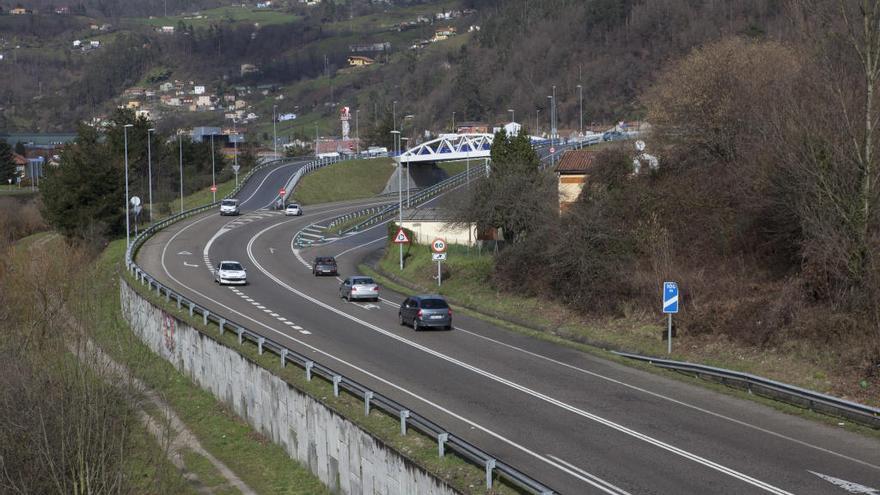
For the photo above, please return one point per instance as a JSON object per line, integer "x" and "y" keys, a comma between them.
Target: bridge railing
{"x": 409, "y": 419}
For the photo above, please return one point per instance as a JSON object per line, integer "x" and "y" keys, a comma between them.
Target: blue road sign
{"x": 670, "y": 297}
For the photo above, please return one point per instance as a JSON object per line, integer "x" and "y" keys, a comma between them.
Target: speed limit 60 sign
{"x": 438, "y": 245}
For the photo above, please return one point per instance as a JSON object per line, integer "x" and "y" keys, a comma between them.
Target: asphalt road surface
{"x": 574, "y": 421}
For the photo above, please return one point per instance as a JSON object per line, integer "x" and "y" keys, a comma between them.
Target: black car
{"x": 425, "y": 311}
{"x": 324, "y": 265}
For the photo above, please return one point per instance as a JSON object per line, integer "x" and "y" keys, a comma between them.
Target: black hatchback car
{"x": 425, "y": 311}
{"x": 324, "y": 265}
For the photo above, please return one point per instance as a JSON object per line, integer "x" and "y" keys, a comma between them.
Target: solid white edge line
{"x": 562, "y": 405}
{"x": 597, "y": 479}
{"x": 379, "y": 378}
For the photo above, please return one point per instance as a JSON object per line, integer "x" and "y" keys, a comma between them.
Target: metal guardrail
{"x": 809, "y": 399}
{"x": 408, "y": 418}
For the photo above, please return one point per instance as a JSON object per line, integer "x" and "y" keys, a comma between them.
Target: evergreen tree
{"x": 7, "y": 164}
{"x": 20, "y": 149}
{"x": 83, "y": 197}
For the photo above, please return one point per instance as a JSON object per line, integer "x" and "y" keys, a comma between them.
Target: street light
{"x": 213, "y": 180}
{"x": 235, "y": 151}
{"x": 395, "y": 133}
{"x": 180, "y": 144}
{"x": 357, "y": 134}
{"x": 394, "y": 115}
{"x": 274, "y": 133}
{"x": 127, "y": 226}
{"x": 537, "y": 127}
{"x": 453, "y": 121}
{"x": 150, "y": 172}
{"x": 512, "y": 118}
{"x": 581, "y": 106}
{"x": 406, "y": 141}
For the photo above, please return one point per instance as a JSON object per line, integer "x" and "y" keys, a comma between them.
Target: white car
{"x": 230, "y": 272}
{"x": 293, "y": 210}
{"x": 229, "y": 207}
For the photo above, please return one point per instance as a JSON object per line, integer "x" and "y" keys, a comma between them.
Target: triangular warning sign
{"x": 401, "y": 237}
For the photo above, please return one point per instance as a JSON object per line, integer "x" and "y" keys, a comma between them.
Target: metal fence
{"x": 815, "y": 401}
{"x": 409, "y": 420}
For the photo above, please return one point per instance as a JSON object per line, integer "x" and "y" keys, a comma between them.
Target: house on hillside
{"x": 360, "y": 61}
{"x": 63, "y": 10}
{"x": 20, "y": 11}
{"x": 571, "y": 176}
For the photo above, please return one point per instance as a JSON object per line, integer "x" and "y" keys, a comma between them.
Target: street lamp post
{"x": 553, "y": 129}
{"x": 274, "y": 133}
{"x": 127, "y": 226}
{"x": 551, "y": 126}
{"x": 453, "y": 121}
{"x": 150, "y": 172}
{"x": 180, "y": 145}
{"x": 395, "y": 133}
{"x": 213, "y": 177}
{"x": 235, "y": 151}
{"x": 394, "y": 115}
{"x": 537, "y": 127}
{"x": 406, "y": 144}
{"x": 581, "y": 106}
{"x": 357, "y": 134}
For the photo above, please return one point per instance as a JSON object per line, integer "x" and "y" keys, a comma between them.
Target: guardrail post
{"x": 368, "y": 396}
{"x": 309, "y": 366}
{"x": 192, "y": 308}
{"x": 442, "y": 438}
{"x": 260, "y": 345}
{"x": 403, "y": 415}
{"x": 336, "y": 380}
{"x": 490, "y": 465}
{"x": 178, "y": 301}
{"x": 283, "y": 358}
{"x": 240, "y": 332}
{"x": 221, "y": 324}
{"x": 205, "y": 314}
{"x": 167, "y": 295}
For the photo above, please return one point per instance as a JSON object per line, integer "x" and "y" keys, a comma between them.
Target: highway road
{"x": 579, "y": 423}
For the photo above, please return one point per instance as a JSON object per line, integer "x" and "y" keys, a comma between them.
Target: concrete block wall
{"x": 346, "y": 458}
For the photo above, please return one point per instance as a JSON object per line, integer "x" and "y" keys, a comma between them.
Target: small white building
{"x": 95, "y": 44}
{"x": 428, "y": 224}
{"x": 198, "y": 90}
{"x": 77, "y": 43}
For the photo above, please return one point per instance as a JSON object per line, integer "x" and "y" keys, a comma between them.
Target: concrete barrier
{"x": 346, "y": 458}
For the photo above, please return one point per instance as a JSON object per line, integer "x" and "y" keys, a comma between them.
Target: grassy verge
{"x": 350, "y": 179}
{"x": 262, "y": 465}
{"x": 467, "y": 283}
{"x": 420, "y": 449}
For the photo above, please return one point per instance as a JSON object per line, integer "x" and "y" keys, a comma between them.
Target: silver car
{"x": 359, "y": 287}
{"x": 230, "y": 272}
{"x": 425, "y": 311}
{"x": 229, "y": 207}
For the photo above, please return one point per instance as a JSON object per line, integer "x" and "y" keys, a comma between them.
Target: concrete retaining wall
{"x": 345, "y": 457}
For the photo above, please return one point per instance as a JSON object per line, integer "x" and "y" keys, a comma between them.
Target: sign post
{"x": 400, "y": 239}
{"x": 670, "y": 306}
{"x": 235, "y": 169}
{"x": 136, "y": 209}
{"x": 438, "y": 245}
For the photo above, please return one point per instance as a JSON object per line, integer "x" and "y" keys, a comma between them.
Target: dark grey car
{"x": 425, "y": 311}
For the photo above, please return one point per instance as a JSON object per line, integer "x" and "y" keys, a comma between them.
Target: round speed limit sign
{"x": 438, "y": 245}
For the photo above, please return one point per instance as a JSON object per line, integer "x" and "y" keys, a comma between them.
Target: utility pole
{"x": 395, "y": 133}
{"x": 127, "y": 214}
{"x": 274, "y": 133}
{"x": 581, "y": 106}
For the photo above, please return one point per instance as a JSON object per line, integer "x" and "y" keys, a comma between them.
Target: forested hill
{"x": 613, "y": 48}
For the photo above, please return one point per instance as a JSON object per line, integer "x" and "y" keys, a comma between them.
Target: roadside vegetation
{"x": 349, "y": 179}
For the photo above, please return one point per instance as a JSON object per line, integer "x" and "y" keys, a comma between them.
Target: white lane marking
{"x": 305, "y": 332}
{"x": 274, "y": 315}
{"x": 205, "y": 252}
{"x": 299, "y": 256}
{"x": 593, "y": 477}
{"x": 491, "y": 376}
{"x": 260, "y": 186}
{"x": 272, "y": 250}
{"x": 267, "y": 311}
{"x": 378, "y": 378}
{"x": 260, "y": 306}
{"x": 187, "y": 264}
{"x": 248, "y": 299}
{"x": 360, "y": 246}
{"x": 281, "y": 318}
{"x": 185, "y": 253}
{"x": 847, "y": 485}
{"x": 297, "y": 327}
{"x": 289, "y": 323}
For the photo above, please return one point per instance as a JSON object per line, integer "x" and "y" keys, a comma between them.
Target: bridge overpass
{"x": 449, "y": 147}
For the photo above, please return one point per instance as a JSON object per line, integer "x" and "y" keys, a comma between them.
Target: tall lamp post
{"x": 581, "y": 106}
{"x": 357, "y": 134}
{"x": 394, "y": 115}
{"x": 395, "y": 133}
{"x": 550, "y": 98}
{"x": 150, "y": 172}
{"x": 213, "y": 179}
{"x": 405, "y": 145}
{"x": 235, "y": 151}
{"x": 274, "y": 133}
{"x": 537, "y": 127}
{"x": 453, "y": 122}
{"x": 127, "y": 226}
{"x": 180, "y": 146}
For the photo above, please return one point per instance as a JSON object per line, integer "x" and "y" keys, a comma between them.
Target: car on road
{"x": 612, "y": 136}
{"x": 293, "y": 210}
{"x": 425, "y": 311}
{"x": 230, "y": 272}
{"x": 229, "y": 207}
{"x": 324, "y": 265}
{"x": 359, "y": 287}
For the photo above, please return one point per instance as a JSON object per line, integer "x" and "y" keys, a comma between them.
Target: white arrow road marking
{"x": 185, "y": 253}
{"x": 847, "y": 485}
{"x": 272, "y": 250}
{"x": 187, "y": 264}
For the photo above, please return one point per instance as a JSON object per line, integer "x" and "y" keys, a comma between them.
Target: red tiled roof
{"x": 575, "y": 161}
{"x": 18, "y": 159}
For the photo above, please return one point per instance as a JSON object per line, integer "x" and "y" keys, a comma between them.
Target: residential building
{"x": 133, "y": 105}
{"x": 369, "y": 47}
{"x": 166, "y": 86}
{"x": 167, "y": 30}
{"x": 248, "y": 69}
{"x": 360, "y": 61}
{"x": 240, "y": 104}
{"x": 20, "y": 11}
{"x": 63, "y": 10}
{"x": 198, "y": 90}
{"x": 203, "y": 101}
{"x": 571, "y": 176}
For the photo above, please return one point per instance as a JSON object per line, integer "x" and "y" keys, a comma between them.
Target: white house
{"x": 198, "y": 90}
{"x": 77, "y": 43}
{"x": 95, "y": 44}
